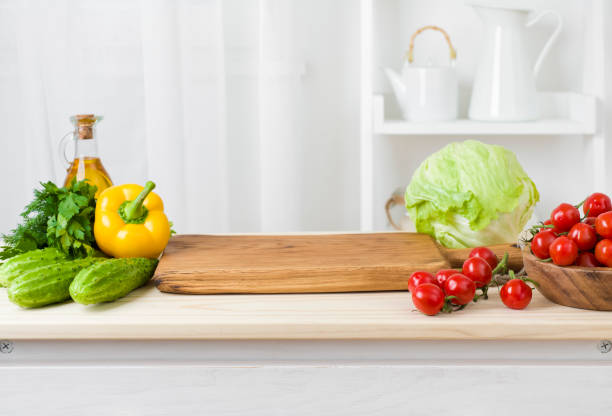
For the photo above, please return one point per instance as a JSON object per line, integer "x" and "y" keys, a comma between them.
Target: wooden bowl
{"x": 577, "y": 287}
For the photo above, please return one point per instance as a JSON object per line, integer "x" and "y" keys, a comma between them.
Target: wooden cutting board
{"x": 207, "y": 264}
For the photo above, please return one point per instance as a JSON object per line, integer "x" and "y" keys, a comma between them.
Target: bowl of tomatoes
{"x": 569, "y": 256}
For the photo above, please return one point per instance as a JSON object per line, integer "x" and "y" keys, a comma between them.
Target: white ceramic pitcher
{"x": 504, "y": 87}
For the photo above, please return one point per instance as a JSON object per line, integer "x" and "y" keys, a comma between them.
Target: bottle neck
{"x": 86, "y": 146}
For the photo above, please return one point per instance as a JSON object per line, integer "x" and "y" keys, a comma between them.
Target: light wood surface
{"x": 149, "y": 314}
{"x": 208, "y": 264}
{"x": 577, "y": 287}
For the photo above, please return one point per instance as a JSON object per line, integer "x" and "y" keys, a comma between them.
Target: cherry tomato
{"x": 584, "y": 235}
{"x": 418, "y": 278}
{"x": 478, "y": 270}
{"x": 515, "y": 294}
{"x": 486, "y": 254}
{"x": 428, "y": 298}
{"x": 541, "y": 243}
{"x": 596, "y": 204}
{"x": 587, "y": 259}
{"x": 460, "y": 286}
{"x": 564, "y": 216}
{"x": 590, "y": 221}
{"x": 603, "y": 224}
{"x": 563, "y": 251}
{"x": 443, "y": 275}
{"x": 603, "y": 252}
{"x": 554, "y": 229}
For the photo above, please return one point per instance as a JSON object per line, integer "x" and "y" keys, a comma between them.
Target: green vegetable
{"x": 32, "y": 233}
{"x": 22, "y": 263}
{"x": 57, "y": 217}
{"x": 111, "y": 279}
{"x": 471, "y": 194}
{"x": 47, "y": 284}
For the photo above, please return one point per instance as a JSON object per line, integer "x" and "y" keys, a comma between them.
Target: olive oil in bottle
{"x": 86, "y": 164}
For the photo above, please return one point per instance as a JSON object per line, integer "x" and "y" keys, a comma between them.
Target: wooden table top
{"x": 149, "y": 314}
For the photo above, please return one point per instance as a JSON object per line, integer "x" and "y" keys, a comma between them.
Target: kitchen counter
{"x": 149, "y": 314}
{"x": 358, "y": 353}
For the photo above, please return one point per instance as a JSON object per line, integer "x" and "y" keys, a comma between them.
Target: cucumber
{"x": 111, "y": 279}
{"x": 47, "y": 284}
{"x": 22, "y": 263}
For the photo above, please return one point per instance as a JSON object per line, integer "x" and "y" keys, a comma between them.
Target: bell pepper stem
{"x": 134, "y": 209}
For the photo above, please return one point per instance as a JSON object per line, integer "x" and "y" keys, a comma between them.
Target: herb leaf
{"x": 71, "y": 229}
{"x": 58, "y": 217}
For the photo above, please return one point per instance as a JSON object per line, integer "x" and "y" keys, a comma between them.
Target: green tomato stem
{"x": 502, "y": 266}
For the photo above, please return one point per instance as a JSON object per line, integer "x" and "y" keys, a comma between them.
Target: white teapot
{"x": 426, "y": 93}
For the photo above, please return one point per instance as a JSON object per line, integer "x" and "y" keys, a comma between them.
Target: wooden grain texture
{"x": 577, "y": 287}
{"x": 208, "y": 264}
{"x": 204, "y": 264}
{"x": 149, "y": 314}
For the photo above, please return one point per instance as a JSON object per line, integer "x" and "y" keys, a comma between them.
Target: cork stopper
{"x": 84, "y": 125}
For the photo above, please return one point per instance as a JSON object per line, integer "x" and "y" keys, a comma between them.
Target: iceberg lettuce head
{"x": 471, "y": 194}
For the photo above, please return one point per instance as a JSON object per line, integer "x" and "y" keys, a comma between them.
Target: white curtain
{"x": 244, "y": 112}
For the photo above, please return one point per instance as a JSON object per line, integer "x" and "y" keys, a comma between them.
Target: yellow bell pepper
{"x": 130, "y": 222}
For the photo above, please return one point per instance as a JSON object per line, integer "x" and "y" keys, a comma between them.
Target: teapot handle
{"x": 63, "y": 145}
{"x": 551, "y": 39}
{"x": 453, "y": 52}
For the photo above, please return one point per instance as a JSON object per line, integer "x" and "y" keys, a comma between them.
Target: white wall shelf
{"x": 564, "y": 113}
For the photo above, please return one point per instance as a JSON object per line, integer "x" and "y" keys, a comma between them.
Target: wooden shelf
{"x": 564, "y": 113}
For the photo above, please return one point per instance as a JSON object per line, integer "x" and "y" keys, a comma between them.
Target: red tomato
{"x": 486, "y": 254}
{"x": 554, "y": 229}
{"x": 590, "y": 221}
{"x": 428, "y": 298}
{"x": 515, "y": 294}
{"x": 418, "y": 278}
{"x": 443, "y": 275}
{"x": 563, "y": 251}
{"x": 460, "y": 286}
{"x": 603, "y": 252}
{"x": 587, "y": 259}
{"x": 596, "y": 204}
{"x": 478, "y": 270}
{"x": 541, "y": 243}
{"x": 603, "y": 224}
{"x": 564, "y": 216}
{"x": 584, "y": 235}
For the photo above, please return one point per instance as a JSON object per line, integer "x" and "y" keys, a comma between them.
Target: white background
{"x": 246, "y": 113}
